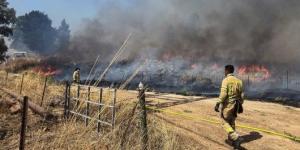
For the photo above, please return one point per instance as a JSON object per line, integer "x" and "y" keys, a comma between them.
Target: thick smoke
{"x": 232, "y": 31}
{"x": 174, "y": 34}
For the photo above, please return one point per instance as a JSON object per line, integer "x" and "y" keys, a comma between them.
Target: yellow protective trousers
{"x": 229, "y": 115}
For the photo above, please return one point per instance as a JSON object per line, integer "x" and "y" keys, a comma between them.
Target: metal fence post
{"x": 143, "y": 117}
{"x": 99, "y": 109}
{"x": 6, "y": 79}
{"x": 66, "y": 106}
{"x": 44, "y": 90}
{"x": 287, "y": 79}
{"x": 68, "y": 99}
{"x": 114, "y": 108}
{"x": 21, "y": 86}
{"x": 248, "y": 82}
{"x": 87, "y": 106}
{"x": 78, "y": 95}
{"x": 24, "y": 122}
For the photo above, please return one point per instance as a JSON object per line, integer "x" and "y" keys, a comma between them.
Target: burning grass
{"x": 258, "y": 73}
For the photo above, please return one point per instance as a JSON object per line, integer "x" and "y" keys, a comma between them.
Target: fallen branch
{"x": 32, "y": 106}
{"x": 14, "y": 107}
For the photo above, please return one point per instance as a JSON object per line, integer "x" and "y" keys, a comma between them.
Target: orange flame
{"x": 194, "y": 66}
{"x": 215, "y": 67}
{"x": 46, "y": 70}
{"x": 255, "y": 72}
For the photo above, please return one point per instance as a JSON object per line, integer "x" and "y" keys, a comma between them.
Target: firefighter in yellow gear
{"x": 231, "y": 99}
{"x": 76, "y": 76}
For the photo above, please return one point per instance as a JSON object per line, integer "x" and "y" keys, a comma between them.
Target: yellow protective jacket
{"x": 231, "y": 90}
{"x": 76, "y": 76}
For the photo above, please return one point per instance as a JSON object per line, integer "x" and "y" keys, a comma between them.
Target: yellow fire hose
{"x": 184, "y": 115}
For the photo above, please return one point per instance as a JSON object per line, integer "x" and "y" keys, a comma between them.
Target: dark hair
{"x": 229, "y": 68}
{"x": 77, "y": 69}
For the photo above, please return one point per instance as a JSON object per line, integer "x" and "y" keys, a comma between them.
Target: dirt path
{"x": 271, "y": 116}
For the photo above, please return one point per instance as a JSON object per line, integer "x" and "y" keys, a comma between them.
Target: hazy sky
{"x": 72, "y": 10}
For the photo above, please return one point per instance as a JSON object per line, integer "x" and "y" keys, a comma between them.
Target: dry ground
{"x": 178, "y": 132}
{"x": 284, "y": 119}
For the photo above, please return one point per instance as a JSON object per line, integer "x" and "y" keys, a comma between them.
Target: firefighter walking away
{"x": 230, "y": 104}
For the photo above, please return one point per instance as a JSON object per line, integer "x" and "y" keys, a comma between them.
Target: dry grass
{"x": 20, "y": 64}
{"x": 72, "y": 133}
{"x": 165, "y": 131}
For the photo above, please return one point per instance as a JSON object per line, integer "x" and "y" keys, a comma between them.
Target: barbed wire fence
{"x": 75, "y": 100}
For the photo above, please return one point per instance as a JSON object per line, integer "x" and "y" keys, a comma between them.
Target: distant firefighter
{"x": 76, "y": 76}
{"x": 231, "y": 99}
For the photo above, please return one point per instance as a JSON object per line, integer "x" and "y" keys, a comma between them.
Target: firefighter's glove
{"x": 217, "y": 107}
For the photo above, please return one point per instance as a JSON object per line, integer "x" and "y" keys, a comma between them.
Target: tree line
{"x": 32, "y": 31}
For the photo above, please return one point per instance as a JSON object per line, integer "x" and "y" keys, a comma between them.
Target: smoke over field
{"x": 191, "y": 37}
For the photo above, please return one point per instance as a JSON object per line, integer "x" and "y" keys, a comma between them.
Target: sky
{"x": 74, "y": 11}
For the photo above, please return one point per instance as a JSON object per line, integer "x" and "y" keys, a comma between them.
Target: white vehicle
{"x": 17, "y": 55}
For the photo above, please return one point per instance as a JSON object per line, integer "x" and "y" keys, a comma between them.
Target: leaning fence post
{"x": 99, "y": 109}
{"x": 21, "y": 86}
{"x": 87, "y": 107}
{"x": 114, "y": 108}
{"x": 44, "y": 90}
{"x": 24, "y": 122}
{"x": 143, "y": 116}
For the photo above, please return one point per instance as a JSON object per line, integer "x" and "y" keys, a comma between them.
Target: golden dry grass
{"x": 165, "y": 131}
{"x": 72, "y": 133}
{"x": 20, "y": 64}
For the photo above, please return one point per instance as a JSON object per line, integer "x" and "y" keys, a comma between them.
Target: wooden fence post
{"x": 114, "y": 108}
{"x": 143, "y": 116}
{"x": 99, "y": 109}
{"x": 87, "y": 106}
{"x": 44, "y": 90}
{"x": 23, "y": 124}
{"x": 21, "y": 86}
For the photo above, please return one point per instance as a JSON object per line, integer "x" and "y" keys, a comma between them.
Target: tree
{"x": 35, "y": 30}
{"x": 63, "y": 35}
{"x": 7, "y": 18}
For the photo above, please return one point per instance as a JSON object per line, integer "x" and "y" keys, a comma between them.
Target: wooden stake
{"x": 143, "y": 118}
{"x": 23, "y": 124}
{"x": 44, "y": 90}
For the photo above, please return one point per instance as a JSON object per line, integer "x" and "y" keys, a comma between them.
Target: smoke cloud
{"x": 231, "y": 31}
{"x": 189, "y": 37}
